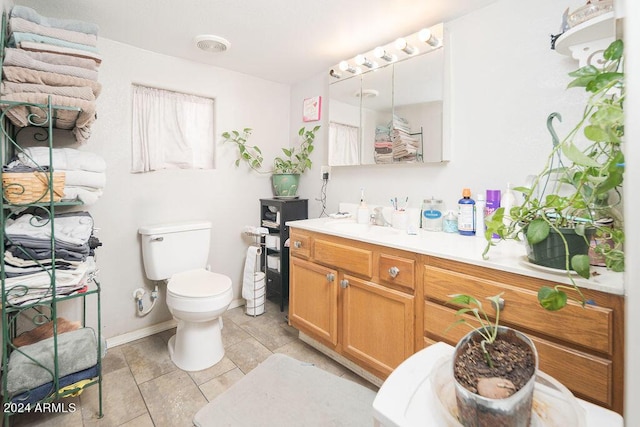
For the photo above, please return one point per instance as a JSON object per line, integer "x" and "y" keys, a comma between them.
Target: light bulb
{"x": 426, "y": 36}
{"x": 362, "y": 60}
{"x": 344, "y": 66}
{"x": 401, "y": 44}
{"x": 379, "y": 52}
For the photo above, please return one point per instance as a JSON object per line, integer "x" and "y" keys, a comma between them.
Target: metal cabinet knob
{"x": 297, "y": 244}
{"x": 331, "y": 277}
{"x": 394, "y": 271}
{"x": 501, "y": 303}
{"x": 344, "y": 283}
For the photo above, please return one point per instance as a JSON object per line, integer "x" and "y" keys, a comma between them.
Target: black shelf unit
{"x": 274, "y": 213}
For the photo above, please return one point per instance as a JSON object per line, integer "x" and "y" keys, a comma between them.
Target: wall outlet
{"x": 325, "y": 172}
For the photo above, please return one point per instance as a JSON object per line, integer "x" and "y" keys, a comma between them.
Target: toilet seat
{"x": 198, "y": 283}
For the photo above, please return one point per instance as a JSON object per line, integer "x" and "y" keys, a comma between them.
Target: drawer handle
{"x": 157, "y": 239}
{"x": 394, "y": 271}
{"x": 344, "y": 283}
{"x": 501, "y": 303}
{"x": 297, "y": 244}
{"x": 331, "y": 277}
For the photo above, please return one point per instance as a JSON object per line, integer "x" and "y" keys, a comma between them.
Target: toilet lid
{"x": 198, "y": 283}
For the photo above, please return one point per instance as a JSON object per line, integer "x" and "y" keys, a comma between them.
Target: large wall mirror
{"x": 391, "y": 114}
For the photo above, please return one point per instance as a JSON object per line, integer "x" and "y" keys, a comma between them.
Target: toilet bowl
{"x": 196, "y": 299}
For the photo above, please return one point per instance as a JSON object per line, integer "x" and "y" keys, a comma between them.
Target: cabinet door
{"x": 378, "y": 324}
{"x": 313, "y": 300}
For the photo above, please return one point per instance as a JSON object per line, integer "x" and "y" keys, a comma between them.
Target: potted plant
{"x": 286, "y": 170}
{"x": 585, "y": 177}
{"x": 494, "y": 368}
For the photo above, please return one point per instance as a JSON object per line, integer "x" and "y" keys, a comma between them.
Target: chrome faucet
{"x": 377, "y": 218}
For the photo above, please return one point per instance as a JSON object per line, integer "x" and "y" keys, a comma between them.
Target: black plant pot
{"x": 551, "y": 251}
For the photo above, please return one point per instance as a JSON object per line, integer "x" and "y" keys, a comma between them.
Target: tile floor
{"x": 142, "y": 387}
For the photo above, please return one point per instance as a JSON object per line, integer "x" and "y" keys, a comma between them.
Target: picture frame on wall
{"x": 311, "y": 109}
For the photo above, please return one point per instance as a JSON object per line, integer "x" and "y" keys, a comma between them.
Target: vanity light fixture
{"x": 426, "y": 36}
{"x": 362, "y": 60}
{"x": 344, "y": 66}
{"x": 401, "y": 44}
{"x": 379, "y": 52}
{"x": 333, "y": 73}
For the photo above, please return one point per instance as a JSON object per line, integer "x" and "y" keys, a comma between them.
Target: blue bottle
{"x": 466, "y": 214}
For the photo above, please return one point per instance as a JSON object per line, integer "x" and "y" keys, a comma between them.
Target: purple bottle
{"x": 492, "y": 204}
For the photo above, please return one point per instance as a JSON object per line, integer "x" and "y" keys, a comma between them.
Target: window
{"x": 171, "y": 130}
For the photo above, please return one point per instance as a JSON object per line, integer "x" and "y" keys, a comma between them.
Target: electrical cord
{"x": 323, "y": 197}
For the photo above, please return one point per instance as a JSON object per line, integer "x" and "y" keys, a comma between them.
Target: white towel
{"x": 63, "y": 159}
{"x": 250, "y": 264}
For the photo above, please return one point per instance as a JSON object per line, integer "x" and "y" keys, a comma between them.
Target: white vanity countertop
{"x": 507, "y": 256}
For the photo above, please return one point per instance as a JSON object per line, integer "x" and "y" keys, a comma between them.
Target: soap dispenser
{"x": 363, "y": 211}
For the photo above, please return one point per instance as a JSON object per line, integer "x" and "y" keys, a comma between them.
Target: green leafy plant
{"x": 593, "y": 171}
{"x": 487, "y": 329}
{"x": 296, "y": 160}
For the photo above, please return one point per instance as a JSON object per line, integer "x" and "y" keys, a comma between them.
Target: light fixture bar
{"x": 333, "y": 73}
{"x": 344, "y": 66}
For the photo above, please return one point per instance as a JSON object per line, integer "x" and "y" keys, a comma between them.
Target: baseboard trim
{"x": 154, "y": 329}
{"x": 341, "y": 359}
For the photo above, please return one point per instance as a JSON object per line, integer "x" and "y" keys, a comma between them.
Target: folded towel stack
{"x": 85, "y": 176}
{"x": 55, "y": 59}
{"x": 29, "y": 258}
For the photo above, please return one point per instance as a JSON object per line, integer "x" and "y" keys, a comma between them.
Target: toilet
{"x": 196, "y": 297}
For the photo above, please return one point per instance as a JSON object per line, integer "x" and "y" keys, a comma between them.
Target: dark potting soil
{"x": 512, "y": 360}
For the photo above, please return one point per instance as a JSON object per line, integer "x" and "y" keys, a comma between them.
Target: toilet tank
{"x": 174, "y": 247}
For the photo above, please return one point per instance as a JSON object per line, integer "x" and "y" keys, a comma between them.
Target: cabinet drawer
{"x": 590, "y": 327}
{"x": 349, "y": 258}
{"x": 586, "y": 375}
{"x": 398, "y": 270}
{"x": 300, "y": 244}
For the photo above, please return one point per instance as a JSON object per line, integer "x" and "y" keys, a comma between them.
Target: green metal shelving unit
{"x": 44, "y": 309}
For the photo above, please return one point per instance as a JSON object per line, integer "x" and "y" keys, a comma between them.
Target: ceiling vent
{"x": 210, "y": 43}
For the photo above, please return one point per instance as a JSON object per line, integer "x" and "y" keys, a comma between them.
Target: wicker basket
{"x": 31, "y": 187}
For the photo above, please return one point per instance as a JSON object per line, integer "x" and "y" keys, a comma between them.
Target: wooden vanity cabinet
{"x": 355, "y": 298}
{"x": 582, "y": 347}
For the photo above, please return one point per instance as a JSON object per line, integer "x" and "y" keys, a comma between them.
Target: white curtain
{"x": 171, "y": 130}
{"x": 343, "y": 145}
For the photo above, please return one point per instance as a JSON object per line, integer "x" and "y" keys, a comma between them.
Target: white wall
{"x": 228, "y": 196}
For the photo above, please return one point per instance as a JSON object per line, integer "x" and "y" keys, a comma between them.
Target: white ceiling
{"x": 279, "y": 40}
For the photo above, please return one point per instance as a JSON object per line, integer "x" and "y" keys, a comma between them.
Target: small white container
{"x": 273, "y": 262}
{"x": 399, "y": 220}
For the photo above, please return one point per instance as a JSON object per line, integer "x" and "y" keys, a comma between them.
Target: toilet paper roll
{"x": 250, "y": 264}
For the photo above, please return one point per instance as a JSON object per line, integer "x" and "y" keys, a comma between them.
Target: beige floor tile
{"x": 247, "y": 354}
{"x": 271, "y": 333}
{"x": 172, "y": 399}
{"x": 305, "y": 353}
{"x": 148, "y": 358}
{"x": 65, "y": 412}
{"x": 121, "y": 400}
{"x": 141, "y": 421}
{"x": 232, "y": 333}
{"x": 213, "y": 388}
{"x": 114, "y": 360}
{"x": 165, "y": 335}
{"x": 223, "y": 366}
